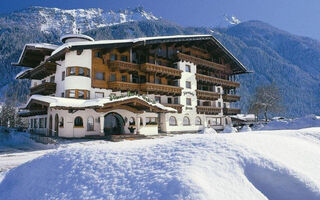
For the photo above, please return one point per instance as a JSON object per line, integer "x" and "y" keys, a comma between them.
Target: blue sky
{"x": 300, "y": 17}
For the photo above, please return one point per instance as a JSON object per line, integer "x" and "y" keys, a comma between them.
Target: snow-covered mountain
{"x": 70, "y": 21}
{"x": 226, "y": 20}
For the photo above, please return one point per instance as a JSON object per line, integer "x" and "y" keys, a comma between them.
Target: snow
{"x": 22, "y": 72}
{"x": 208, "y": 131}
{"x": 303, "y": 122}
{"x": 260, "y": 165}
{"x": 229, "y": 129}
{"x": 81, "y": 103}
{"x": 245, "y": 128}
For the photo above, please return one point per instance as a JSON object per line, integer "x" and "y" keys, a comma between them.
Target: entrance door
{"x": 113, "y": 124}
{"x": 56, "y": 125}
{"x": 50, "y": 125}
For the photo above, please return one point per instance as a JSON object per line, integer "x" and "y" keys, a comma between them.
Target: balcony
{"x": 123, "y": 86}
{"x": 43, "y": 89}
{"x": 208, "y": 110}
{"x": 203, "y": 62}
{"x": 230, "y": 98}
{"x": 41, "y": 71}
{"x": 207, "y": 95}
{"x": 178, "y": 107}
{"x": 231, "y": 111}
{"x": 123, "y": 66}
{"x": 153, "y": 88}
{"x": 217, "y": 81}
{"x": 161, "y": 70}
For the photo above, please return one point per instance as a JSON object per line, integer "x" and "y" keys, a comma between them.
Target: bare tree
{"x": 266, "y": 99}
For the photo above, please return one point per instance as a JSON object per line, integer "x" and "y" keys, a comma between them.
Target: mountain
{"x": 275, "y": 56}
{"x": 59, "y": 21}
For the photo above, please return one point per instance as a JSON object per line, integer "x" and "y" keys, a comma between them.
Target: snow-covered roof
{"x": 22, "y": 73}
{"x": 89, "y": 103}
{"x": 245, "y": 117}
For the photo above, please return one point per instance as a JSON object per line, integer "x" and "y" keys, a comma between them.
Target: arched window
{"x": 186, "y": 121}
{"x": 141, "y": 121}
{"x": 132, "y": 122}
{"x": 61, "y": 122}
{"x": 90, "y": 124}
{"x": 198, "y": 121}
{"x": 78, "y": 122}
{"x": 172, "y": 121}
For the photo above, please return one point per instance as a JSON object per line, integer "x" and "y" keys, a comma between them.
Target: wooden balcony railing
{"x": 43, "y": 89}
{"x": 123, "y": 66}
{"x": 41, "y": 71}
{"x": 231, "y": 111}
{"x": 208, "y": 110}
{"x": 178, "y": 107}
{"x": 217, "y": 81}
{"x": 230, "y": 98}
{"x": 162, "y": 70}
{"x": 203, "y": 62}
{"x": 207, "y": 95}
{"x": 161, "y": 89}
{"x": 123, "y": 86}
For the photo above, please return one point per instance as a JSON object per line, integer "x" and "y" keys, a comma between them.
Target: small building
{"x": 133, "y": 86}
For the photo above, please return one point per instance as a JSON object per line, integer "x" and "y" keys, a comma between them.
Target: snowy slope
{"x": 252, "y": 165}
{"x": 61, "y": 21}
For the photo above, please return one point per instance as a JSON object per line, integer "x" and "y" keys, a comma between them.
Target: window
{"x": 224, "y": 105}
{"x": 124, "y": 78}
{"x": 112, "y": 77}
{"x": 188, "y": 68}
{"x": 63, "y": 75}
{"x": 219, "y": 104}
{"x": 99, "y": 75}
{"x": 169, "y": 100}
{"x": 143, "y": 79}
{"x": 176, "y": 100}
{"x": 172, "y": 121}
{"x": 52, "y": 79}
{"x": 132, "y": 122}
{"x": 62, "y": 94}
{"x": 31, "y": 123}
{"x": 219, "y": 90}
{"x": 61, "y": 122}
{"x": 41, "y": 123}
{"x": 188, "y": 101}
{"x": 151, "y": 121}
{"x": 113, "y": 57}
{"x": 43, "y": 81}
{"x": 188, "y": 84}
{"x": 72, "y": 71}
{"x": 157, "y": 99}
{"x": 78, "y": 122}
{"x": 186, "y": 121}
{"x": 141, "y": 121}
{"x": 81, "y": 71}
{"x": 72, "y": 93}
{"x": 81, "y": 94}
{"x": 45, "y": 122}
{"x": 99, "y": 94}
{"x": 90, "y": 124}
{"x": 124, "y": 58}
{"x": 158, "y": 80}
{"x": 198, "y": 121}
{"x": 35, "y": 123}
{"x": 98, "y": 54}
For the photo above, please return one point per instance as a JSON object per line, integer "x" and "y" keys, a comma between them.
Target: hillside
{"x": 292, "y": 62}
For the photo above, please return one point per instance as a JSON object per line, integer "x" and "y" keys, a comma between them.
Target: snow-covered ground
{"x": 280, "y": 164}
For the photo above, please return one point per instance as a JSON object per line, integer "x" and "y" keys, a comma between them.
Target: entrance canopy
{"x": 136, "y": 104}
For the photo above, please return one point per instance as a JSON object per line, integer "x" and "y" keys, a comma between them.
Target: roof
{"x": 58, "y": 52}
{"x": 36, "y": 52}
{"x": 69, "y": 103}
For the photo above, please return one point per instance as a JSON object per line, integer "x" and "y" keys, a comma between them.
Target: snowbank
{"x": 229, "y": 129}
{"x": 208, "y": 131}
{"x": 304, "y": 122}
{"x": 245, "y": 128}
{"x": 11, "y": 140}
{"x": 260, "y": 165}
